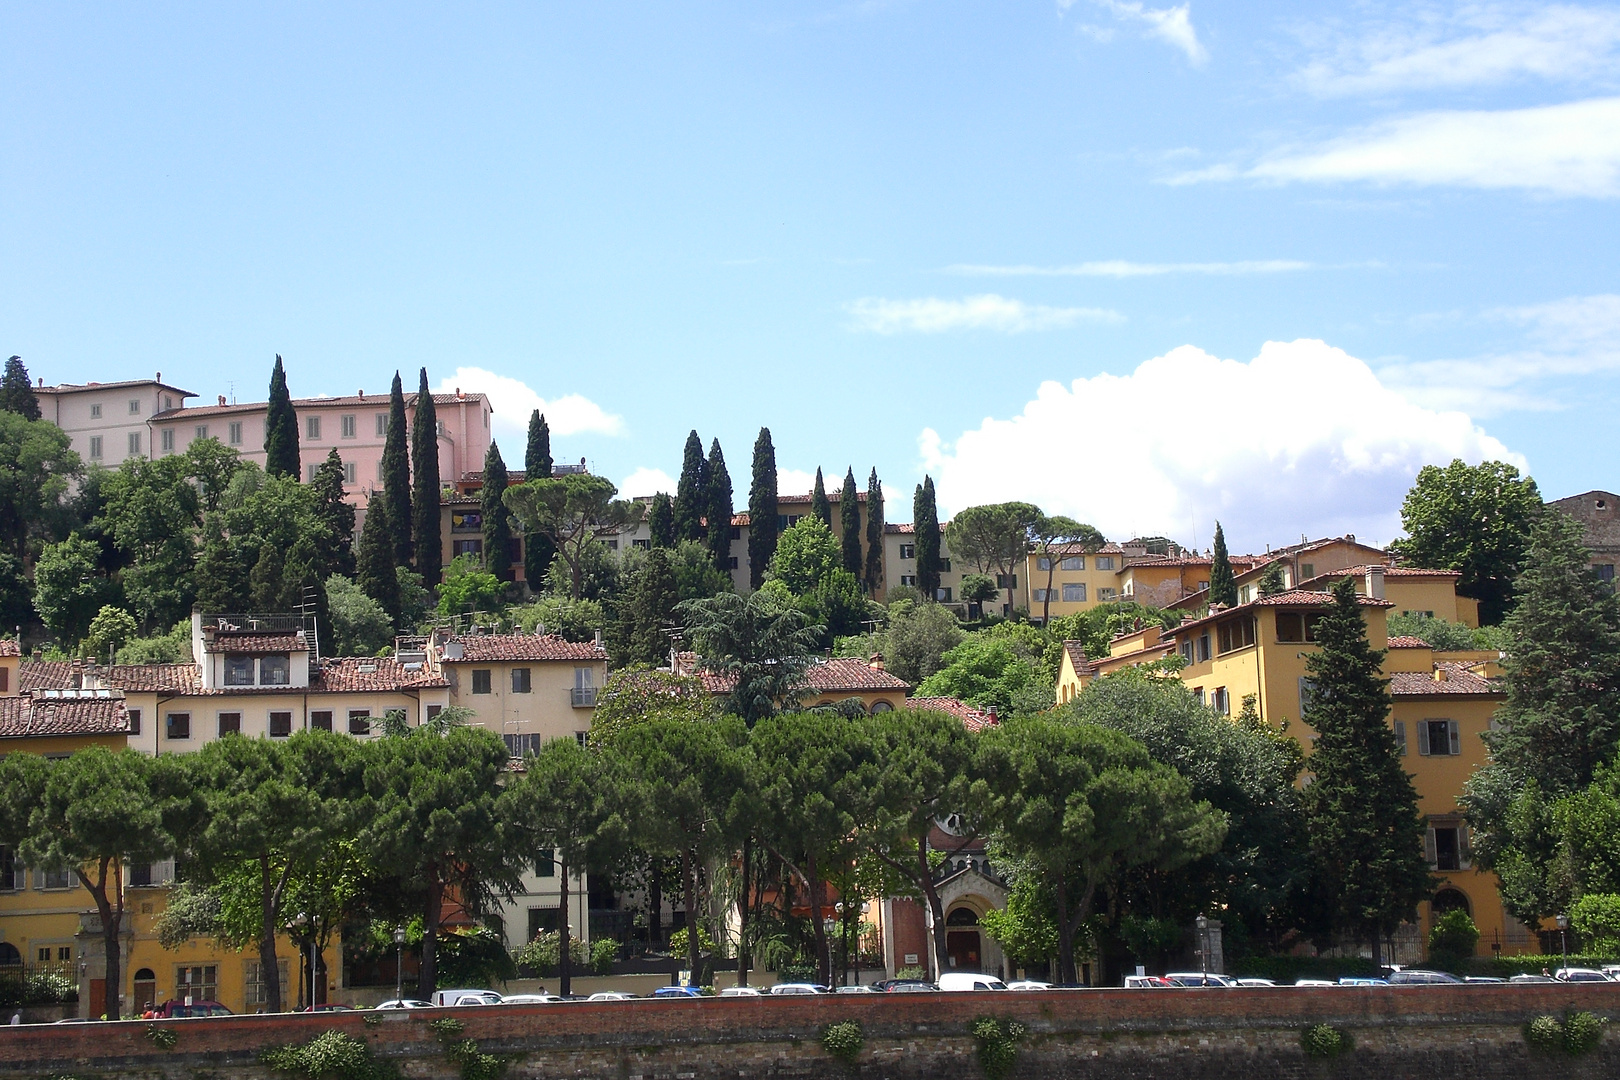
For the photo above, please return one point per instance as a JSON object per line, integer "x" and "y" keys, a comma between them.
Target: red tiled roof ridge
{"x": 1407, "y": 641}
{"x": 973, "y": 718}
{"x": 477, "y": 648}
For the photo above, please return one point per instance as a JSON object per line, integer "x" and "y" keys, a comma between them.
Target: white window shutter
{"x": 1423, "y": 748}
{"x": 1456, "y": 737}
{"x": 1400, "y": 737}
{"x": 1429, "y": 854}
{"x": 1465, "y": 851}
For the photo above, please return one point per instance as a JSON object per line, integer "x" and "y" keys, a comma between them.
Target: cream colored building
{"x": 108, "y": 422}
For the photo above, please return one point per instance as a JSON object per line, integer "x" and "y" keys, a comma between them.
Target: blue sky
{"x": 1037, "y": 249}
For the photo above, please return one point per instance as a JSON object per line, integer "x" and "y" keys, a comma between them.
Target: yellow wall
{"x": 547, "y": 710}
{"x": 1102, "y": 584}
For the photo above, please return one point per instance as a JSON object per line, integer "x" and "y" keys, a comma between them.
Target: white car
{"x": 1199, "y": 978}
{"x": 465, "y": 996}
{"x": 792, "y": 989}
{"x": 742, "y": 991}
{"x": 406, "y": 1003}
{"x": 611, "y": 995}
{"x": 1314, "y": 982}
{"x": 1575, "y": 974}
{"x": 1029, "y": 984}
{"x": 530, "y": 999}
{"x": 857, "y": 989}
{"x": 1255, "y": 982}
{"x": 959, "y": 981}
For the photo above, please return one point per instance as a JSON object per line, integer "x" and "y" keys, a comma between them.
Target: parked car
{"x": 466, "y": 996}
{"x": 910, "y": 986}
{"x": 1146, "y": 982}
{"x": 1199, "y": 978}
{"x": 1419, "y": 977}
{"x": 1522, "y": 979}
{"x": 857, "y": 989}
{"x": 1484, "y": 979}
{"x": 676, "y": 992}
{"x": 172, "y": 1010}
{"x": 406, "y": 1003}
{"x": 1028, "y": 984}
{"x": 742, "y": 991}
{"x": 328, "y": 1006}
{"x": 792, "y": 989}
{"x": 1361, "y": 980}
{"x": 530, "y": 999}
{"x": 956, "y": 981}
{"x": 1575, "y": 974}
{"x": 1255, "y": 982}
{"x": 1314, "y": 982}
{"x": 611, "y": 995}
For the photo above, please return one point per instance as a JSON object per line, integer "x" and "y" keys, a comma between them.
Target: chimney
{"x": 875, "y": 662}
{"x": 222, "y": 399}
{"x": 598, "y": 639}
{"x": 1439, "y": 673}
{"x": 1375, "y": 582}
{"x": 991, "y": 712}
{"x": 362, "y": 393}
{"x": 158, "y": 377}
{"x": 76, "y": 673}
{"x": 458, "y": 391}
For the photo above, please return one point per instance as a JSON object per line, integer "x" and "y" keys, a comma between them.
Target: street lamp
{"x": 829, "y": 924}
{"x": 399, "y": 965}
{"x": 1563, "y": 940}
{"x": 1202, "y": 922}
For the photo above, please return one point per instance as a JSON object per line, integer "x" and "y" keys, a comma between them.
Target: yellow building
{"x": 1413, "y": 591}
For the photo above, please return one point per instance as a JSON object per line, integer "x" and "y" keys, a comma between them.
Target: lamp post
{"x": 1563, "y": 939}
{"x": 399, "y": 965}
{"x": 1202, "y": 922}
{"x": 829, "y": 924}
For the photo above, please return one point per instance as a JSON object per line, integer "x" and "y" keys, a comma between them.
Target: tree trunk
{"x": 426, "y": 981}
{"x": 1051, "y": 571}
{"x": 689, "y": 886}
{"x": 565, "y": 971}
{"x": 744, "y": 959}
{"x": 925, "y": 879}
{"x": 112, "y": 920}
{"x": 817, "y": 895}
{"x": 655, "y": 905}
{"x": 270, "y": 915}
{"x": 1060, "y": 894}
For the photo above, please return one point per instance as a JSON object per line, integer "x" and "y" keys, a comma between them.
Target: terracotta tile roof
{"x": 972, "y": 719}
{"x": 1289, "y": 598}
{"x": 100, "y": 714}
{"x": 1389, "y": 572}
{"x": 1407, "y": 641}
{"x": 909, "y": 528}
{"x": 256, "y": 643}
{"x": 1459, "y": 680}
{"x": 351, "y": 674}
{"x": 839, "y": 675}
{"x": 75, "y": 388}
{"x": 10, "y": 647}
{"x": 158, "y": 678}
{"x": 480, "y": 648}
{"x": 42, "y": 674}
{"x": 1077, "y": 657}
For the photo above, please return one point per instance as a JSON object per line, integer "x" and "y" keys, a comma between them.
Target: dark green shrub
{"x": 1323, "y": 1041}
{"x": 1452, "y": 940}
{"x": 843, "y": 1040}
{"x": 1582, "y": 1033}
{"x": 445, "y": 1028}
{"x": 1545, "y": 1033}
{"x": 998, "y": 1044}
{"x": 163, "y": 1038}
{"x": 603, "y": 952}
{"x": 539, "y": 958}
{"x": 331, "y": 1055}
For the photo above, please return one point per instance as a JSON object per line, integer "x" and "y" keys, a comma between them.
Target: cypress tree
{"x": 1222, "y": 589}
{"x": 497, "y": 519}
{"x": 538, "y": 551}
{"x": 338, "y": 514}
{"x": 874, "y": 534}
{"x": 718, "y": 489}
{"x": 396, "y": 468}
{"x": 819, "y": 506}
{"x": 653, "y": 608}
{"x": 16, "y": 392}
{"x": 375, "y": 570}
{"x": 849, "y": 515}
{"x": 426, "y": 536}
{"x": 762, "y": 520}
{"x": 925, "y": 527}
{"x": 281, "y": 428}
{"x": 1365, "y": 829}
{"x": 661, "y": 521}
{"x": 691, "y": 491}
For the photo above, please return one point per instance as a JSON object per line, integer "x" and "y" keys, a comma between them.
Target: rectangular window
{"x": 1445, "y": 847}
{"x": 1439, "y": 738}
{"x": 1042, "y": 564}
{"x": 234, "y": 432}
{"x": 644, "y": 545}
{"x": 168, "y": 440}
{"x": 546, "y": 864}
{"x": 1297, "y": 626}
{"x": 280, "y": 725}
{"x": 1105, "y": 594}
{"x": 1186, "y": 651}
{"x": 134, "y": 406}
{"x": 140, "y": 875}
{"x": 95, "y": 412}
{"x": 520, "y": 680}
{"x": 321, "y": 720}
{"x": 134, "y": 721}
{"x": 312, "y": 428}
{"x": 1006, "y": 581}
{"x": 382, "y": 425}
{"x": 731, "y": 563}
{"x": 199, "y": 982}
{"x": 312, "y": 469}
{"x": 95, "y": 447}
{"x": 1605, "y": 571}
{"x": 202, "y": 431}
{"x": 1400, "y": 737}
{"x": 736, "y": 532}
{"x": 466, "y": 547}
{"x": 909, "y": 579}
{"x": 1074, "y": 562}
{"x": 1235, "y": 634}
{"x": 582, "y": 737}
{"x": 1219, "y": 701}
{"x": 359, "y": 721}
{"x": 11, "y": 871}
{"x": 944, "y": 566}
{"x": 943, "y": 594}
{"x": 434, "y": 710}
{"x": 135, "y": 444}
{"x": 908, "y": 551}
{"x": 177, "y": 725}
{"x": 348, "y": 472}
{"x": 274, "y": 671}
{"x": 230, "y": 723}
{"x": 1203, "y": 647}
{"x": 346, "y": 426}
{"x": 584, "y": 695}
{"x": 56, "y": 879}
{"x": 1074, "y": 592}
{"x": 238, "y": 670}
{"x": 255, "y": 993}
{"x": 521, "y": 746}
{"x": 1042, "y": 594}
{"x": 480, "y": 681}
{"x": 1307, "y": 570}
{"x": 1105, "y": 562}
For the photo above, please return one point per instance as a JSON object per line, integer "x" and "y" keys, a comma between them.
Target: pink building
{"x": 355, "y": 426}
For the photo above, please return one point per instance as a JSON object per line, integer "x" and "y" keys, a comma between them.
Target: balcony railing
{"x": 583, "y": 697}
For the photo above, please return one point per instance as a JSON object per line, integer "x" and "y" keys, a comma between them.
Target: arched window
{"x": 962, "y": 916}
{"x": 881, "y": 706}
{"x": 1451, "y": 900}
{"x": 9, "y": 956}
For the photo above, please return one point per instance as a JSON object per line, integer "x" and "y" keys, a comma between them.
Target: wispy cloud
{"x": 1567, "y": 150}
{"x": 1172, "y": 25}
{"x": 988, "y": 312}
{"x": 511, "y": 401}
{"x": 1475, "y": 45}
{"x": 1120, "y": 268}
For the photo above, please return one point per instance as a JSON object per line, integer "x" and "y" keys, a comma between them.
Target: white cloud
{"x": 1172, "y": 25}
{"x": 1302, "y": 439}
{"x": 645, "y": 481}
{"x": 1471, "y": 46}
{"x": 795, "y": 481}
{"x": 1121, "y": 268}
{"x": 988, "y": 312}
{"x": 513, "y": 401}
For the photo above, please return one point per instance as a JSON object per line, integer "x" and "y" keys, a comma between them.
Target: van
{"x": 968, "y": 980}
{"x": 442, "y": 998}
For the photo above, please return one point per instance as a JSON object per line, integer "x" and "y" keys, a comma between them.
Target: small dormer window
{"x": 273, "y": 671}
{"x": 238, "y": 671}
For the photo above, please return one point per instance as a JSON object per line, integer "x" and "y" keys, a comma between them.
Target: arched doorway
{"x": 9, "y": 956}
{"x": 963, "y": 945}
{"x": 145, "y": 990}
{"x": 1449, "y": 899}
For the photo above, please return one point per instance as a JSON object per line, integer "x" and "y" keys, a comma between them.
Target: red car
{"x": 173, "y": 1010}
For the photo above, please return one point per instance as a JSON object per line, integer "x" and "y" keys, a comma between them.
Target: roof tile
{"x": 972, "y": 719}
{"x": 25, "y": 716}
{"x": 478, "y": 648}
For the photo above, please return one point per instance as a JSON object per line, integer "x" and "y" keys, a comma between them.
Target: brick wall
{"x": 1432, "y": 1032}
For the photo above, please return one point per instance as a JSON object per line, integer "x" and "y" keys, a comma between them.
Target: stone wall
{"x": 1436, "y": 1033}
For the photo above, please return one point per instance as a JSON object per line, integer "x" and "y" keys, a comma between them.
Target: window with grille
{"x": 199, "y": 982}
{"x": 95, "y": 446}
{"x": 1400, "y": 737}
{"x": 168, "y": 439}
{"x": 134, "y": 407}
{"x": 95, "y": 412}
{"x": 238, "y": 670}
{"x": 134, "y": 443}
{"x": 1074, "y": 562}
{"x": 256, "y": 992}
{"x": 382, "y": 425}
{"x": 1105, "y": 562}
{"x": 522, "y": 745}
{"x": 1074, "y": 592}
{"x": 908, "y": 551}
{"x": 274, "y": 670}
{"x": 348, "y": 472}
{"x": 56, "y": 879}
{"x": 201, "y": 432}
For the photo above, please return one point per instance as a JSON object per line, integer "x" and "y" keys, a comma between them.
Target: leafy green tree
{"x": 1440, "y": 634}
{"x": 468, "y": 586}
{"x": 396, "y": 476}
{"x": 692, "y": 491}
{"x": 849, "y": 522}
{"x": 1452, "y": 939}
{"x": 873, "y": 579}
{"x": 426, "y": 537}
{"x": 756, "y": 641}
{"x": 1365, "y": 829}
{"x": 415, "y": 599}
{"x": 819, "y": 506}
{"x": 1475, "y": 519}
{"x": 1054, "y": 534}
{"x": 173, "y": 647}
{"x": 571, "y": 620}
{"x": 37, "y": 463}
{"x": 806, "y": 555}
{"x": 432, "y": 817}
{"x": 913, "y": 644}
{"x": 661, "y": 521}
{"x": 718, "y": 490}
{"x": 1272, "y": 580}
{"x": 695, "y": 573}
{"x": 91, "y": 813}
{"x": 109, "y": 630}
{"x": 979, "y": 588}
{"x": 537, "y": 465}
{"x": 1095, "y": 627}
{"x": 497, "y": 519}
{"x": 574, "y": 512}
{"x": 281, "y": 428}
{"x": 214, "y": 467}
{"x": 16, "y": 392}
{"x": 637, "y": 695}
{"x": 648, "y": 610}
{"x": 360, "y": 625}
{"x": 153, "y": 513}
{"x": 1222, "y": 586}
{"x": 1026, "y": 929}
{"x": 988, "y": 673}
{"x": 994, "y": 538}
{"x": 1596, "y": 918}
{"x": 1081, "y": 805}
{"x": 925, "y": 530}
{"x": 567, "y": 809}
{"x": 375, "y": 564}
{"x": 762, "y": 511}
{"x": 808, "y": 572}
{"x": 68, "y": 590}
{"x": 337, "y": 513}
